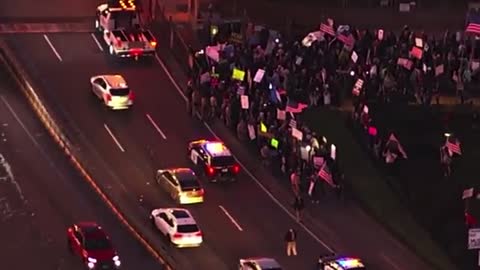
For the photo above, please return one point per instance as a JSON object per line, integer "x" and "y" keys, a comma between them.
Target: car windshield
{"x": 223, "y": 161}
{"x": 187, "y": 228}
{"x": 97, "y": 244}
{"x": 119, "y": 91}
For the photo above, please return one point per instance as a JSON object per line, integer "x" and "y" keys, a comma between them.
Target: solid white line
{"x": 52, "y": 47}
{"x": 390, "y": 261}
{"x": 96, "y": 41}
{"x": 114, "y": 138}
{"x": 231, "y": 218}
{"x": 156, "y": 126}
{"x": 275, "y": 200}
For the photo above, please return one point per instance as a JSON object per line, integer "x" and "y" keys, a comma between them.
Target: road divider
{"x": 52, "y": 47}
{"x": 117, "y": 142}
{"x": 24, "y": 82}
{"x": 157, "y": 128}
{"x": 231, "y": 218}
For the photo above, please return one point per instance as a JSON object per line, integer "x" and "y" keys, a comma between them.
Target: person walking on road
{"x": 298, "y": 206}
{"x": 295, "y": 182}
{"x": 291, "y": 240}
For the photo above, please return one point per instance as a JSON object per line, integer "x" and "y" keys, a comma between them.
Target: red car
{"x": 90, "y": 242}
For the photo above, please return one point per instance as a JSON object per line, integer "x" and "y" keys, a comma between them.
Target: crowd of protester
{"x": 260, "y": 86}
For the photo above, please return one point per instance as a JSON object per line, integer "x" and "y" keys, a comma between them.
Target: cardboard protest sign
{"x": 274, "y": 143}
{"x": 281, "y": 115}
{"x": 259, "y": 75}
{"x": 263, "y": 128}
{"x": 244, "y": 101}
{"x": 475, "y": 65}
{"x": 406, "y": 63}
{"x": 354, "y": 57}
{"x": 467, "y": 193}
{"x": 439, "y": 70}
{"x": 416, "y": 53}
{"x": 297, "y": 134}
{"x": 357, "y": 87}
{"x": 238, "y": 74}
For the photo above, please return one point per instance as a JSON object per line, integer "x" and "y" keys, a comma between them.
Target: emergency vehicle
{"x": 119, "y": 23}
{"x": 334, "y": 262}
{"x": 213, "y": 159}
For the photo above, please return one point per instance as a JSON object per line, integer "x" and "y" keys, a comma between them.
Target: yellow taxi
{"x": 182, "y": 184}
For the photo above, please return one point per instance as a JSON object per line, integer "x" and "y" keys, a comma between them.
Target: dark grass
{"x": 384, "y": 197}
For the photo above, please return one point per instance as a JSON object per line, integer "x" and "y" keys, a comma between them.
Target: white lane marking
{"x": 96, "y": 41}
{"x": 114, "y": 138}
{"x": 156, "y": 126}
{"x": 231, "y": 218}
{"x": 52, "y": 47}
{"x": 390, "y": 261}
{"x": 275, "y": 200}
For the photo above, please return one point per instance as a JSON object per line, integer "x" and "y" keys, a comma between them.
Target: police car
{"x": 112, "y": 90}
{"x": 333, "y": 262}
{"x": 213, "y": 159}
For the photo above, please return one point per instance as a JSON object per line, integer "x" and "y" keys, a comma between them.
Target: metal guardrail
{"x": 21, "y": 77}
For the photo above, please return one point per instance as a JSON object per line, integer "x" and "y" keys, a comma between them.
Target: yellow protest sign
{"x": 263, "y": 128}
{"x": 238, "y": 74}
{"x": 274, "y": 143}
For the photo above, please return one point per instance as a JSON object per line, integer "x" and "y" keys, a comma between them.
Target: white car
{"x": 260, "y": 263}
{"x": 113, "y": 91}
{"x": 178, "y": 225}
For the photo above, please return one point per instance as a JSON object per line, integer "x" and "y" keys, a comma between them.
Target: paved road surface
{"x": 40, "y": 195}
{"x": 127, "y": 174}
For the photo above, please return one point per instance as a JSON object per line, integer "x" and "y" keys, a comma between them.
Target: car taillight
{"x": 210, "y": 170}
{"x": 236, "y": 168}
{"x": 200, "y": 192}
{"x": 153, "y": 43}
{"x": 108, "y": 97}
{"x": 131, "y": 95}
{"x": 199, "y": 233}
{"x": 177, "y": 235}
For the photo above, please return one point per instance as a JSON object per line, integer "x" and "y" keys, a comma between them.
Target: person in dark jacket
{"x": 291, "y": 240}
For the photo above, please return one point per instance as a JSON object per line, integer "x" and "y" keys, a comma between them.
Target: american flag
{"x": 295, "y": 107}
{"x": 327, "y": 29}
{"x": 347, "y": 39}
{"x": 454, "y": 147}
{"x": 325, "y": 174}
{"x": 473, "y": 23}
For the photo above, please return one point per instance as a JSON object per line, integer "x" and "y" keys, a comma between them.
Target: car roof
{"x": 182, "y": 216}
{"x": 214, "y": 148}
{"x": 92, "y": 230}
{"x": 115, "y": 81}
{"x": 347, "y": 262}
{"x": 265, "y": 263}
{"x": 183, "y": 173}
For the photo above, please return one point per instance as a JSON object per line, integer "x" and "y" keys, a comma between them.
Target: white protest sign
{"x": 297, "y": 134}
{"x": 404, "y": 7}
{"x": 244, "y": 101}
{"x": 467, "y": 193}
{"x": 298, "y": 61}
{"x": 333, "y": 151}
{"x": 380, "y": 34}
{"x": 251, "y": 132}
{"x": 330, "y": 21}
{"x": 281, "y": 115}
{"x": 419, "y": 42}
{"x": 439, "y": 70}
{"x": 475, "y": 65}
{"x": 259, "y": 75}
{"x": 354, "y": 57}
{"x": 474, "y": 238}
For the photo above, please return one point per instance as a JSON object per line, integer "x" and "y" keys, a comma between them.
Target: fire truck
{"x": 119, "y": 23}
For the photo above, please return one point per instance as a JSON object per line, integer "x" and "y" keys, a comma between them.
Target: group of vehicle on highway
{"x": 118, "y": 21}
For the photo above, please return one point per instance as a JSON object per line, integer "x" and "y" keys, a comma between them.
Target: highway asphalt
{"x": 253, "y": 224}
{"x": 41, "y": 195}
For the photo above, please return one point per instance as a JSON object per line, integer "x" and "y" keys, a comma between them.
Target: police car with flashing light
{"x": 334, "y": 262}
{"x": 213, "y": 160}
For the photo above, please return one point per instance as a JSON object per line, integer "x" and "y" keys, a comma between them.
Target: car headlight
{"x": 92, "y": 260}
{"x": 116, "y": 261}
